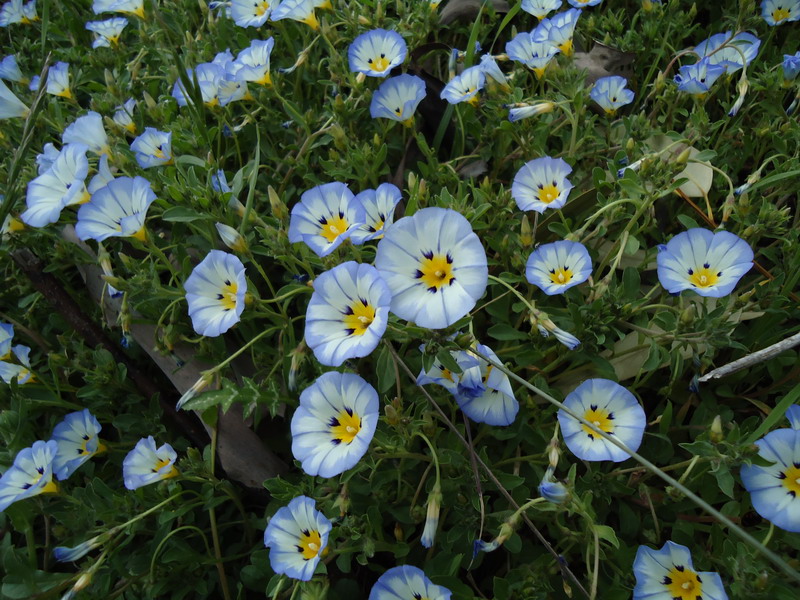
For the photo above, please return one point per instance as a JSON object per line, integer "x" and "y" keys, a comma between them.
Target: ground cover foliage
{"x": 669, "y": 161}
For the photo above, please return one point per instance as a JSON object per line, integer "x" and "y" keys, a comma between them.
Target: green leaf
{"x": 446, "y": 358}
{"x": 188, "y": 159}
{"x": 631, "y": 282}
{"x": 776, "y": 414}
{"x": 385, "y": 370}
{"x": 503, "y": 331}
{"x": 724, "y": 479}
{"x": 604, "y": 532}
{"x": 182, "y": 214}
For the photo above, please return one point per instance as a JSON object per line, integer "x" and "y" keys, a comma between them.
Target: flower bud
{"x": 231, "y": 238}
{"x": 276, "y": 204}
{"x": 683, "y": 157}
{"x": 525, "y": 232}
{"x": 432, "y": 516}
{"x": 716, "y": 434}
{"x": 198, "y": 387}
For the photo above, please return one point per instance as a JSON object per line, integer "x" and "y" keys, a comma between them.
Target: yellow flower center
{"x": 600, "y": 418}
{"x": 780, "y": 14}
{"x": 65, "y": 93}
{"x": 379, "y": 64}
{"x": 539, "y": 72}
{"x": 333, "y": 227}
{"x": 566, "y": 48}
{"x": 309, "y": 544}
{"x": 51, "y": 487}
{"x": 548, "y": 193}
{"x": 311, "y": 21}
{"x": 160, "y": 464}
{"x": 436, "y": 271}
{"x": 265, "y": 80}
{"x": 791, "y": 480}
{"x": 261, "y": 8}
{"x": 704, "y": 277}
{"x": 447, "y": 374}
{"x": 683, "y": 584}
{"x": 358, "y": 317}
{"x": 345, "y": 426}
{"x": 227, "y": 297}
{"x": 561, "y": 276}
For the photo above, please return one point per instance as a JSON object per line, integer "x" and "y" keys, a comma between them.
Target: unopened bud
{"x": 687, "y": 316}
{"x": 276, "y": 204}
{"x": 525, "y": 232}
{"x": 392, "y": 417}
{"x": 630, "y": 145}
{"x": 432, "y": 516}
{"x": 683, "y": 157}
{"x": 716, "y": 434}
{"x": 362, "y": 20}
{"x": 198, "y": 387}
{"x": 231, "y": 238}
{"x": 399, "y": 535}
{"x": 148, "y": 100}
{"x": 83, "y": 582}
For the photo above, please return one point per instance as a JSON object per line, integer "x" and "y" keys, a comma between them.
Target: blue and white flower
{"x": 484, "y": 392}
{"x": 252, "y": 63}
{"x": 540, "y": 8}
{"x": 465, "y": 87}
{"x": 551, "y": 489}
{"x": 297, "y": 10}
{"x": 77, "y": 441}
{"x": 778, "y": 12}
{"x": 9, "y": 70}
{"x": 107, "y": 32}
{"x": 118, "y": 209}
{"x": 215, "y": 292}
{"x": 434, "y": 265}
{"x": 66, "y": 554}
{"x": 791, "y": 65}
{"x": 397, "y": 98}
{"x": 739, "y": 50}
{"x": 609, "y": 407}
{"x": 325, "y": 217}
{"x": 710, "y": 264}
{"x": 556, "y": 267}
{"x": 6, "y": 336}
{"x": 210, "y": 77}
{"x": 584, "y": 3}
{"x": 146, "y": 464}
{"x": 377, "y": 52}
{"x": 611, "y": 93}
{"x": 379, "y": 205}
{"x": 517, "y": 112}
{"x": 14, "y": 11}
{"x": 11, "y": 107}
{"x": 19, "y": 371}
{"x": 59, "y": 186}
{"x": 775, "y": 490}
{"x": 407, "y": 582}
{"x": 558, "y": 30}
{"x": 125, "y": 7}
{"x": 493, "y": 72}
{"x": 103, "y": 176}
{"x": 58, "y": 80}
{"x": 668, "y": 574}
{"x": 541, "y": 184}
{"x": 334, "y": 424}
{"x": 441, "y": 375}
{"x": 88, "y": 130}
{"x": 153, "y": 148}
{"x": 347, "y": 313}
{"x": 46, "y": 159}
{"x": 698, "y": 78}
{"x": 297, "y": 537}
{"x": 251, "y": 13}
{"x": 536, "y": 55}
{"x": 123, "y": 116}
{"x": 30, "y": 475}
